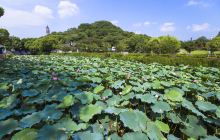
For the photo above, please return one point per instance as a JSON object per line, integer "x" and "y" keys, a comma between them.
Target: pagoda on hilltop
{"x": 47, "y": 30}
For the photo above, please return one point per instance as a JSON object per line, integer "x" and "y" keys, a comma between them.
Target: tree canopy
{"x": 102, "y": 36}
{"x": 1, "y": 11}
{"x": 214, "y": 44}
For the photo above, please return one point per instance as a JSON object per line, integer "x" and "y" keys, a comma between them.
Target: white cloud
{"x": 137, "y": 24}
{"x": 197, "y": 3}
{"x": 115, "y": 22}
{"x": 147, "y": 23}
{"x": 43, "y": 11}
{"x": 192, "y": 2}
{"x": 21, "y": 18}
{"x": 168, "y": 27}
{"x": 198, "y": 27}
{"x": 67, "y": 9}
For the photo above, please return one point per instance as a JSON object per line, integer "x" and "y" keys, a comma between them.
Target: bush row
{"x": 174, "y": 60}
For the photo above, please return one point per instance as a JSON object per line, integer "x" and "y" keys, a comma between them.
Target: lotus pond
{"x": 79, "y": 98}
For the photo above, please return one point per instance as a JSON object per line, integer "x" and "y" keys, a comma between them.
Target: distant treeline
{"x": 102, "y": 36}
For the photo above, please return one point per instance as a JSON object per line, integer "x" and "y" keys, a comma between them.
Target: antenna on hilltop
{"x": 47, "y": 30}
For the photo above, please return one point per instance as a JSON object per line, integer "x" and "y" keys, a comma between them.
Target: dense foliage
{"x": 167, "y": 59}
{"x": 52, "y": 97}
{"x": 102, "y": 36}
{"x": 1, "y": 11}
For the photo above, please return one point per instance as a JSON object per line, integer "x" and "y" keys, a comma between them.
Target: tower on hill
{"x": 47, "y": 30}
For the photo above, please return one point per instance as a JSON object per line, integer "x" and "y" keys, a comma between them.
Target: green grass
{"x": 199, "y": 52}
{"x": 217, "y": 52}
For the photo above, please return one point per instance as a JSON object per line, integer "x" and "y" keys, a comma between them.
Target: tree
{"x": 188, "y": 45}
{"x": 4, "y": 36}
{"x": 154, "y": 45}
{"x": 200, "y": 43}
{"x": 218, "y": 34}
{"x": 1, "y": 11}
{"x": 122, "y": 45}
{"x": 16, "y": 43}
{"x": 213, "y": 45}
{"x": 137, "y": 43}
{"x": 169, "y": 44}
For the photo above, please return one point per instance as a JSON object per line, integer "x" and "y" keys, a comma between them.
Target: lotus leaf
{"x": 7, "y": 127}
{"x": 174, "y": 94}
{"x": 135, "y": 120}
{"x": 135, "y": 136}
{"x": 67, "y": 101}
{"x": 162, "y": 126}
{"x": 87, "y": 112}
{"x": 48, "y": 132}
{"x": 88, "y": 136}
{"x": 26, "y": 134}
{"x": 98, "y": 89}
{"x": 160, "y": 107}
{"x": 206, "y": 106}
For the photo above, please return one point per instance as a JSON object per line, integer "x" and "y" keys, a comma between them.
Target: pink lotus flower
{"x": 55, "y": 78}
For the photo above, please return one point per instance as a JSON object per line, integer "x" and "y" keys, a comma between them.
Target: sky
{"x": 184, "y": 19}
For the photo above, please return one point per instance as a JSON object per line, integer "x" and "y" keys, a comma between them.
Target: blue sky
{"x": 181, "y": 18}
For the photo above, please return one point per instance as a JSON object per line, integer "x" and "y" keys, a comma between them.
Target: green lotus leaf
{"x": 98, "y": 89}
{"x": 114, "y": 137}
{"x": 218, "y": 96}
{"x": 188, "y": 105}
{"x": 135, "y": 136}
{"x": 26, "y": 134}
{"x": 162, "y": 126}
{"x": 85, "y": 98}
{"x": 174, "y": 118}
{"x": 114, "y": 110}
{"x": 96, "y": 80}
{"x": 50, "y": 113}
{"x": 146, "y": 98}
{"x": 107, "y": 93}
{"x": 172, "y": 137}
{"x": 117, "y": 84}
{"x": 30, "y": 93}
{"x": 157, "y": 85}
{"x": 88, "y": 136}
{"x": 4, "y": 113}
{"x": 66, "y": 124}
{"x": 193, "y": 129}
{"x": 114, "y": 100}
{"x": 174, "y": 94}
{"x": 135, "y": 120}
{"x": 166, "y": 83}
{"x": 67, "y": 102}
{"x": 4, "y": 86}
{"x": 126, "y": 90}
{"x": 86, "y": 113}
{"x": 48, "y": 132}
{"x": 30, "y": 120}
{"x": 153, "y": 132}
{"x": 210, "y": 138}
{"x": 206, "y": 106}
{"x": 218, "y": 112}
{"x": 160, "y": 107}
{"x": 128, "y": 96}
{"x": 8, "y": 101}
{"x": 24, "y": 110}
{"x": 7, "y": 127}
